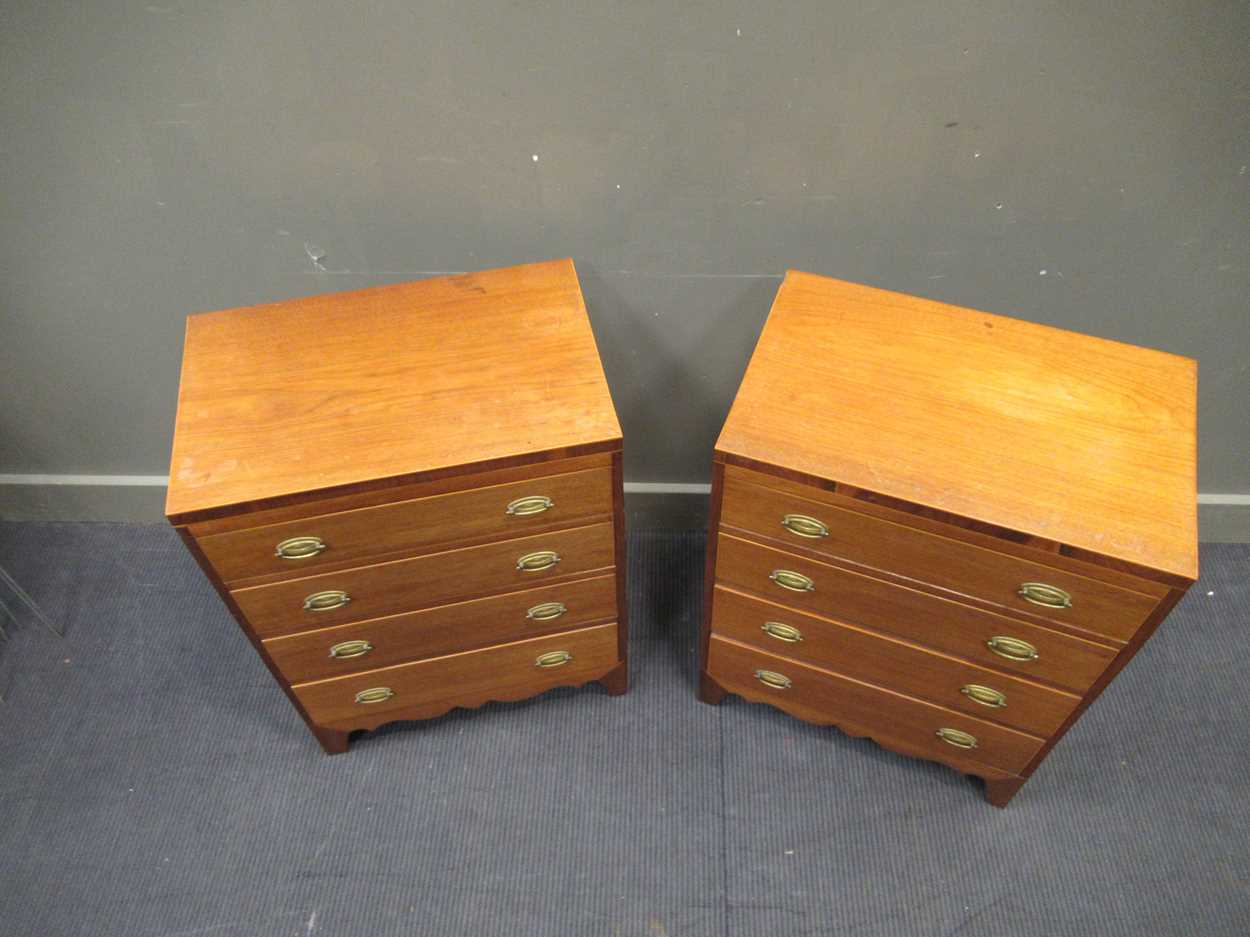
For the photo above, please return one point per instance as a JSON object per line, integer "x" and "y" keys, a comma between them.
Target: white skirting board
{"x": 1222, "y": 518}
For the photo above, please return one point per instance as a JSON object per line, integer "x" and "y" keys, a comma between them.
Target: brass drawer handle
{"x": 530, "y": 504}
{"x": 546, "y": 611}
{"x": 1039, "y": 593}
{"x": 803, "y": 526}
{"x": 1011, "y": 648}
{"x": 778, "y": 681}
{"x": 377, "y": 694}
{"x": 348, "y": 649}
{"x": 782, "y": 632}
{"x": 325, "y": 601}
{"x": 299, "y": 548}
{"x": 795, "y": 582}
{"x": 553, "y": 659}
{"x": 985, "y": 695}
{"x": 537, "y": 561}
{"x": 957, "y": 737}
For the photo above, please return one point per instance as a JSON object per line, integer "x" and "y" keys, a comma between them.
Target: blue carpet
{"x": 155, "y": 783}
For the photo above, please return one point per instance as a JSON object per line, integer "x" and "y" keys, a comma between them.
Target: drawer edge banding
{"x": 354, "y": 536}
{"x": 905, "y": 666}
{"x": 453, "y": 628}
{"x": 939, "y": 560}
{"x": 999, "y": 747}
{"x": 426, "y": 581}
{"x": 942, "y": 624}
{"x": 470, "y": 679}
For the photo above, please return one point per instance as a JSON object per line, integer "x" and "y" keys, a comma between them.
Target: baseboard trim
{"x": 667, "y": 488}
{"x": 89, "y": 481}
{"x": 1222, "y": 517}
{"x": 160, "y": 481}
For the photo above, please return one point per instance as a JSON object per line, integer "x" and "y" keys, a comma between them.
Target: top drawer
{"x": 1064, "y": 597}
{"x": 297, "y": 547}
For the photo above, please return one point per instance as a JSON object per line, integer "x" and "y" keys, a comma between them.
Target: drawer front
{"x": 447, "y": 629}
{"x": 424, "y": 581}
{"x": 296, "y": 548}
{"x": 916, "y": 616}
{"x": 895, "y": 665}
{"x": 469, "y": 679}
{"x": 820, "y": 696}
{"x": 941, "y": 561}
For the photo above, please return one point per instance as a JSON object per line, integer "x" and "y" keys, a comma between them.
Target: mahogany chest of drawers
{"x": 408, "y": 496}
{"x": 943, "y": 529}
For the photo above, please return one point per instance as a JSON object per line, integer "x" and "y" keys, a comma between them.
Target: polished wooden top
{"x": 1075, "y": 439}
{"x": 403, "y": 381}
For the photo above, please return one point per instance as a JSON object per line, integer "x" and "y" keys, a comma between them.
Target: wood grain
{"x": 394, "y": 382}
{"x": 447, "y": 629}
{"x": 944, "y": 524}
{"x": 415, "y": 526}
{"x": 396, "y": 424}
{"x": 952, "y": 455}
{"x": 425, "y": 581}
{"x": 1078, "y": 440}
{"x": 431, "y": 687}
{"x": 941, "y": 624}
{"x": 908, "y": 668}
{"x": 888, "y": 717}
{"x": 316, "y": 503}
{"x": 964, "y": 569}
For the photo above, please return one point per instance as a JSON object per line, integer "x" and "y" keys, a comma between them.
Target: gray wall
{"x": 1078, "y": 164}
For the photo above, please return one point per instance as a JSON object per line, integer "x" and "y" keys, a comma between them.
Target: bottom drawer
{"x": 429, "y": 687}
{"x": 883, "y": 661}
{"x": 892, "y": 719}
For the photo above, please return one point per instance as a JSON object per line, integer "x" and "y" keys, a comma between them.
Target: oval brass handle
{"x": 377, "y": 694}
{"x": 325, "y": 601}
{"x": 537, "y": 561}
{"x": 803, "y": 526}
{"x": 530, "y": 504}
{"x": 957, "y": 737}
{"x": 299, "y": 548}
{"x": 1011, "y": 648}
{"x": 781, "y": 631}
{"x": 354, "y": 648}
{"x": 795, "y": 582}
{"x": 546, "y": 611}
{"x": 985, "y": 695}
{"x": 1039, "y": 593}
{"x": 553, "y": 659}
{"x": 778, "y": 681}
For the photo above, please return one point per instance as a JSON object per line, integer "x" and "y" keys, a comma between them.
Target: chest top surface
{"x": 383, "y": 383}
{"x": 1052, "y": 433}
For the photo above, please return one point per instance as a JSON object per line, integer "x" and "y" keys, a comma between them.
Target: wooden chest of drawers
{"x": 408, "y": 496}
{"x": 943, "y": 529}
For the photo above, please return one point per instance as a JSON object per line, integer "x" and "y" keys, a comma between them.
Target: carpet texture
{"x": 155, "y": 783}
